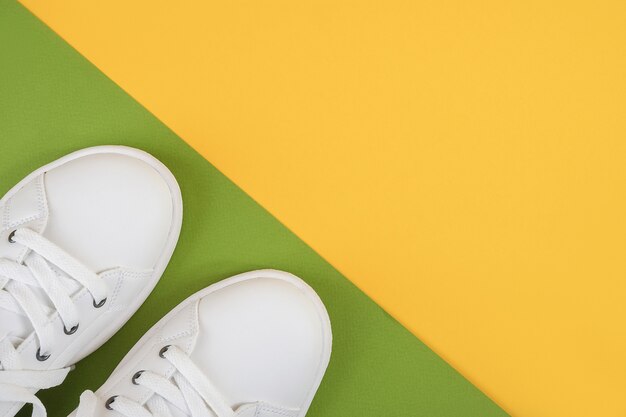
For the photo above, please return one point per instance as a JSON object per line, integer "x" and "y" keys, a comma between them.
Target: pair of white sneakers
{"x": 83, "y": 242}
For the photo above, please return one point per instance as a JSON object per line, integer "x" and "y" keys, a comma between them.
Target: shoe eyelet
{"x": 100, "y": 304}
{"x": 109, "y": 402}
{"x": 70, "y": 331}
{"x": 11, "y": 236}
{"x": 136, "y": 377}
{"x": 165, "y": 349}
{"x": 40, "y": 357}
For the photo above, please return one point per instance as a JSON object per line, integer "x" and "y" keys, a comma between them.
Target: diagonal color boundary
{"x": 55, "y": 102}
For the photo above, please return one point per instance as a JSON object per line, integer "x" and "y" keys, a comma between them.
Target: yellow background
{"x": 461, "y": 162}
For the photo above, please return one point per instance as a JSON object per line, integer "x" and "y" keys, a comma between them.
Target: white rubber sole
{"x": 265, "y": 273}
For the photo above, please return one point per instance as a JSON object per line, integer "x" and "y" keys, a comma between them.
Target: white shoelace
{"x": 190, "y": 391}
{"x": 18, "y": 283}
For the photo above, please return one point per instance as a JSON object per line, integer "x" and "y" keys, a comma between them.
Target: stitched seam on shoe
{"x": 274, "y": 411}
{"x": 6, "y": 217}
{"x": 116, "y": 290}
{"x": 40, "y": 196}
{"x": 41, "y": 207}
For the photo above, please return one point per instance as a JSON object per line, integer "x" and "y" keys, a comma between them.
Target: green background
{"x": 53, "y": 101}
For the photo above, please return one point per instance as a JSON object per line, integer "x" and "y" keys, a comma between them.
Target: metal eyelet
{"x": 11, "y": 236}
{"x": 136, "y": 377}
{"x": 40, "y": 357}
{"x": 109, "y": 402}
{"x": 100, "y": 304}
{"x": 165, "y": 349}
{"x": 70, "y": 331}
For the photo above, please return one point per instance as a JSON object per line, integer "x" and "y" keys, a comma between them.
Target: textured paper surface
{"x": 54, "y": 102}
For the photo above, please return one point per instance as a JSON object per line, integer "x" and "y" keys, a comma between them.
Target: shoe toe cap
{"x": 263, "y": 339}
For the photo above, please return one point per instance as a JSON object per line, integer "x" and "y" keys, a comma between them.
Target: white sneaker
{"x": 83, "y": 241}
{"x": 255, "y": 345}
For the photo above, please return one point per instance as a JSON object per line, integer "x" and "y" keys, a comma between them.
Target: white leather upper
{"x": 109, "y": 211}
{"x": 28, "y": 207}
{"x": 262, "y": 338}
{"x": 118, "y": 211}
